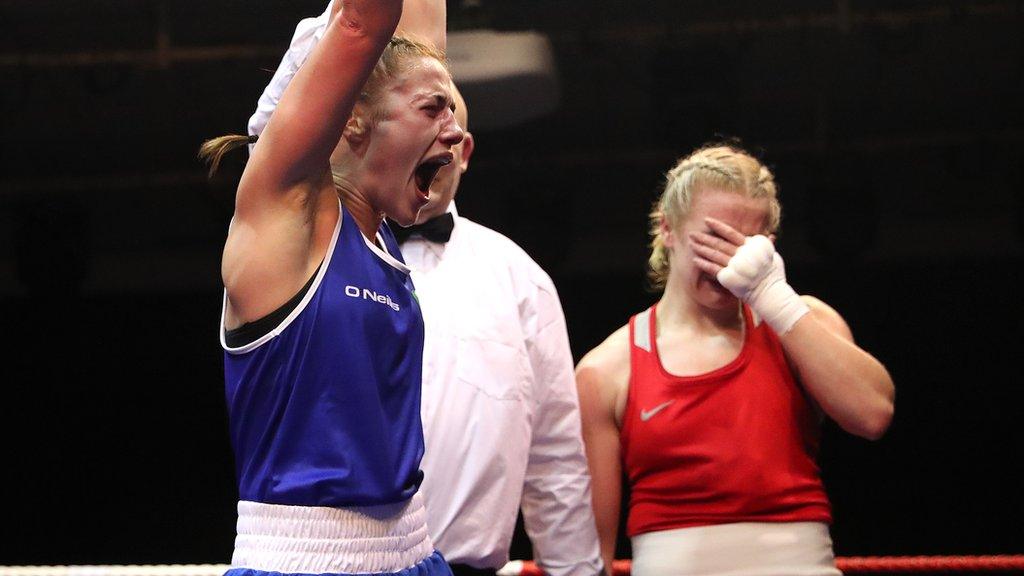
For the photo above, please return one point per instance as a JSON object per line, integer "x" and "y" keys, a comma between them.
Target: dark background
{"x": 895, "y": 128}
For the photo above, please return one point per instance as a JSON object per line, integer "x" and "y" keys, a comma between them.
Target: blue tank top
{"x": 325, "y": 409}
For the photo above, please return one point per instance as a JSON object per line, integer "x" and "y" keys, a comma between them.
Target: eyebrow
{"x": 439, "y": 98}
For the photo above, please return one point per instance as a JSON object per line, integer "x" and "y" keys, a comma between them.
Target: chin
{"x": 716, "y": 298}
{"x": 435, "y": 206}
{"x": 404, "y": 221}
{"x": 721, "y": 303}
{"x": 426, "y": 214}
{"x": 404, "y": 218}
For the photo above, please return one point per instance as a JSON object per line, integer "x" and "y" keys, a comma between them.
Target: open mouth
{"x": 426, "y": 171}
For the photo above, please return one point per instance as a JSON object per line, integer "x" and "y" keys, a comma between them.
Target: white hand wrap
{"x": 757, "y": 276}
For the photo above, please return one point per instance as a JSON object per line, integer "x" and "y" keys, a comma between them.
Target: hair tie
{"x": 253, "y": 138}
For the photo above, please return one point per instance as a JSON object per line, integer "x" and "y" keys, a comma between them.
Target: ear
{"x": 356, "y": 130}
{"x": 468, "y": 145}
{"x": 772, "y": 238}
{"x": 668, "y": 235}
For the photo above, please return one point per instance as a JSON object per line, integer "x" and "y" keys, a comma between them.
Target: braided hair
{"x": 724, "y": 167}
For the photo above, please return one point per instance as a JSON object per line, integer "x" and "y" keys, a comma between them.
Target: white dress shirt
{"x": 500, "y": 412}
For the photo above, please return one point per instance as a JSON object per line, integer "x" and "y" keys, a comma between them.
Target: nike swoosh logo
{"x": 646, "y": 415}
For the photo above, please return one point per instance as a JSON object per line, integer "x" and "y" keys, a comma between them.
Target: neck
{"x": 677, "y": 309}
{"x": 367, "y": 218}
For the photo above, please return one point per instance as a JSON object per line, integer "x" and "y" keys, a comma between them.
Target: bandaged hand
{"x": 750, "y": 268}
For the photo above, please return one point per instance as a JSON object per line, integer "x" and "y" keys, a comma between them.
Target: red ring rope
{"x": 878, "y": 564}
{"x": 883, "y": 564}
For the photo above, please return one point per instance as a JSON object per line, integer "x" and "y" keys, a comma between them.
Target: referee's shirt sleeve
{"x": 556, "y": 495}
{"x": 307, "y": 35}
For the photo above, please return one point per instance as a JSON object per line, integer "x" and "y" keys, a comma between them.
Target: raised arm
{"x": 425, "y": 20}
{"x": 849, "y": 384}
{"x": 422, "y": 19}
{"x": 601, "y": 380}
{"x": 859, "y": 396}
{"x": 285, "y": 208}
{"x": 313, "y": 110}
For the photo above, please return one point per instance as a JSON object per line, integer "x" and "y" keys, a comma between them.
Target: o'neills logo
{"x": 367, "y": 294}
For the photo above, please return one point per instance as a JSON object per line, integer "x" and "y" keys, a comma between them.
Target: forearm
{"x": 601, "y": 438}
{"x": 851, "y": 386}
{"x": 425, "y": 20}
{"x": 308, "y": 34}
{"x": 372, "y": 18}
{"x": 422, "y": 18}
{"x": 606, "y": 498}
{"x": 318, "y": 100}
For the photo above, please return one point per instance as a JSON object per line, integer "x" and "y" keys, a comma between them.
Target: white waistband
{"x": 739, "y": 549}
{"x": 319, "y": 540}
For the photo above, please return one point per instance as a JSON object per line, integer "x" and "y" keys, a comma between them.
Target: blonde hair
{"x": 397, "y": 57}
{"x": 721, "y": 167}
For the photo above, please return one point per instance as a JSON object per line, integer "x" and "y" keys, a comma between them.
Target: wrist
{"x": 779, "y": 306}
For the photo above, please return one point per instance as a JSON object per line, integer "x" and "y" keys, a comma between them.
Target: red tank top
{"x": 736, "y": 444}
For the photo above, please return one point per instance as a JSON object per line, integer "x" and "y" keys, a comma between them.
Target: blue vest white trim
{"x": 325, "y": 409}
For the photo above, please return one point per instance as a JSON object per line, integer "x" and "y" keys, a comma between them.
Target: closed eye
{"x": 434, "y": 104}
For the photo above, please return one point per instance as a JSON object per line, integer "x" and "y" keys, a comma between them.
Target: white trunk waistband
{"x": 740, "y": 549}
{"x": 319, "y": 540}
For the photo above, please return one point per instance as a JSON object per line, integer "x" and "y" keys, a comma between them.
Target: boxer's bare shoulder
{"x": 602, "y": 375}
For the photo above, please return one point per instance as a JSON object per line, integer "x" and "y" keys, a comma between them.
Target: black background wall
{"x": 896, "y": 130}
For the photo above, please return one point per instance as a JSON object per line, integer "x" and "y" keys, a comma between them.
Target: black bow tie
{"x": 437, "y": 229}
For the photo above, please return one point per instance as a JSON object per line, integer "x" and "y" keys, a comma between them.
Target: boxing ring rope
{"x": 1007, "y": 564}
{"x": 853, "y": 565}
{"x": 886, "y": 565}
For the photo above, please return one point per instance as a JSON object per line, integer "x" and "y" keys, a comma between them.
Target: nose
{"x": 451, "y": 133}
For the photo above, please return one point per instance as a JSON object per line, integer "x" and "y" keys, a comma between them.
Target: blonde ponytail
{"x": 213, "y": 150}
